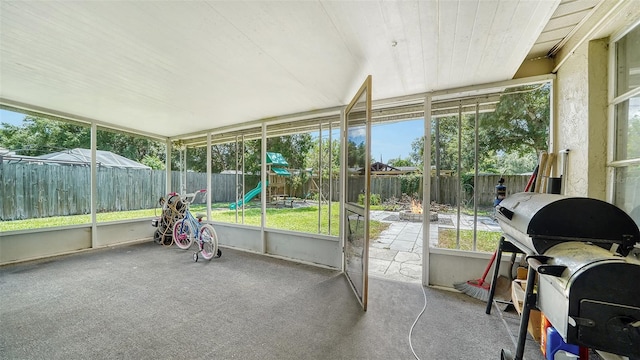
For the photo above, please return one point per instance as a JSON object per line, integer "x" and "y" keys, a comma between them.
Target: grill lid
{"x": 540, "y": 221}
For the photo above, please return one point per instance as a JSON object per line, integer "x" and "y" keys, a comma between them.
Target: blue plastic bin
{"x": 557, "y": 349}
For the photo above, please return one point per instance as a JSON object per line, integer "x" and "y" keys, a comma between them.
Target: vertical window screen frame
{"x": 620, "y": 161}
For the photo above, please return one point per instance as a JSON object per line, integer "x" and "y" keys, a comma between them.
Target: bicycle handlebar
{"x": 188, "y": 194}
{"x": 188, "y": 198}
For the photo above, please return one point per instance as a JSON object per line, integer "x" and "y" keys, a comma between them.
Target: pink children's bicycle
{"x": 189, "y": 230}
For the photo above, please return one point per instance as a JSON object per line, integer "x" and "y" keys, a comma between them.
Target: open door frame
{"x": 356, "y": 168}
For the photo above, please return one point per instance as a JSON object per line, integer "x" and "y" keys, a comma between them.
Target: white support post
{"x": 437, "y": 160}
{"x": 209, "y": 176}
{"x": 243, "y": 182}
{"x": 183, "y": 173}
{"x": 458, "y": 177}
{"x": 343, "y": 182}
{"x": 426, "y": 191}
{"x": 263, "y": 197}
{"x": 236, "y": 177}
{"x": 475, "y": 176}
{"x": 94, "y": 185}
{"x": 330, "y": 176}
{"x": 319, "y": 176}
{"x": 167, "y": 163}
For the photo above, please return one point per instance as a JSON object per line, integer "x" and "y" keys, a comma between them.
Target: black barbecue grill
{"x": 587, "y": 253}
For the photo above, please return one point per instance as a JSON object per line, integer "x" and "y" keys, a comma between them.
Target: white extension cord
{"x": 414, "y": 323}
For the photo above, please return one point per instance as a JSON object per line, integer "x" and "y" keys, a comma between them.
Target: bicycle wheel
{"x": 209, "y": 240}
{"x": 182, "y": 234}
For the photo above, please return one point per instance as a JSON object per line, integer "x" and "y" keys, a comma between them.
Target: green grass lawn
{"x": 486, "y": 240}
{"x": 75, "y": 219}
{"x": 303, "y": 219}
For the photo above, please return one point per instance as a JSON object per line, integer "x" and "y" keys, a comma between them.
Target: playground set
{"x": 279, "y": 193}
{"x": 276, "y": 184}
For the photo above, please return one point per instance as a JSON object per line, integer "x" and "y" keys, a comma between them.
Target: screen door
{"x": 356, "y": 159}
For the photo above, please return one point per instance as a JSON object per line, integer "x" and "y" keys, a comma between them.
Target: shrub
{"x": 374, "y": 199}
{"x": 410, "y": 183}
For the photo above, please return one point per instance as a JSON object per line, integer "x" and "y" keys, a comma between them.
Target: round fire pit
{"x": 416, "y": 217}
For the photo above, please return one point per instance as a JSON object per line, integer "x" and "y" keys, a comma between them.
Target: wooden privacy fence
{"x": 385, "y": 186}
{"x": 443, "y": 190}
{"x": 35, "y": 191}
{"x": 484, "y": 187}
{"x": 223, "y": 186}
{"x": 32, "y": 191}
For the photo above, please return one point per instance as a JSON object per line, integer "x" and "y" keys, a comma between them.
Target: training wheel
{"x": 219, "y": 252}
{"x": 195, "y": 257}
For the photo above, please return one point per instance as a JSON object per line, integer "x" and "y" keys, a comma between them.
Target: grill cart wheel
{"x": 505, "y": 355}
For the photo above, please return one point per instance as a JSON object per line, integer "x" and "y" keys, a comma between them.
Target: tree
{"x": 401, "y": 162}
{"x": 518, "y": 127}
{"x": 153, "y": 162}
{"x": 131, "y": 146}
{"x": 356, "y": 154}
{"x": 520, "y": 122}
{"x": 514, "y": 163}
{"x": 294, "y": 148}
{"x": 447, "y": 144}
{"x": 223, "y": 157}
{"x": 417, "y": 151}
{"x": 314, "y": 156}
{"x": 40, "y": 135}
{"x": 228, "y": 156}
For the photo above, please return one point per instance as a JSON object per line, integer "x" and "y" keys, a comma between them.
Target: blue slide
{"x": 248, "y": 196}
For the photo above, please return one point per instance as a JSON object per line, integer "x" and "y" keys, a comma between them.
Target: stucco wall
{"x": 581, "y": 114}
{"x": 598, "y": 120}
{"x": 571, "y": 114}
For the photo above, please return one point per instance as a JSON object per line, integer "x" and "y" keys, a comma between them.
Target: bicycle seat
{"x": 199, "y": 216}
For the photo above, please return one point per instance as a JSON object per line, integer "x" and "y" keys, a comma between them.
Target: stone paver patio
{"x": 397, "y": 253}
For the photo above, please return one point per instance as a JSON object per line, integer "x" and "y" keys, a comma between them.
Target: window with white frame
{"x": 626, "y": 117}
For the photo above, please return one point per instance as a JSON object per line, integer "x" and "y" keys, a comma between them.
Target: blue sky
{"x": 388, "y": 141}
{"x": 391, "y": 141}
{"x": 11, "y": 117}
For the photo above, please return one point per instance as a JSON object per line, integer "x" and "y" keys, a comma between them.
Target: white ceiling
{"x": 171, "y": 67}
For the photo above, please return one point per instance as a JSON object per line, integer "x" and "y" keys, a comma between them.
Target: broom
{"x": 478, "y": 288}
